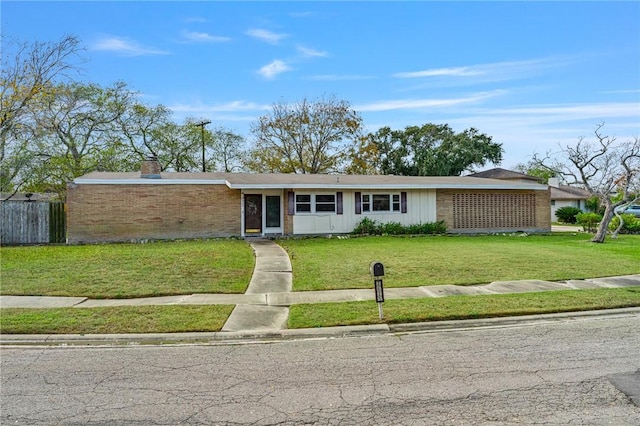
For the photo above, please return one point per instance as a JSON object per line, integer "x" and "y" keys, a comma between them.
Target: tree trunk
{"x": 604, "y": 225}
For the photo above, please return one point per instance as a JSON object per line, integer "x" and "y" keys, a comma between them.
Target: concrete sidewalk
{"x": 264, "y": 307}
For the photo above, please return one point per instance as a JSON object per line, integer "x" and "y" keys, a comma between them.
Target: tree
{"x": 29, "y": 71}
{"x": 76, "y": 133}
{"x": 542, "y": 173}
{"x": 608, "y": 170}
{"x": 227, "y": 150}
{"x": 432, "y": 150}
{"x": 304, "y": 137}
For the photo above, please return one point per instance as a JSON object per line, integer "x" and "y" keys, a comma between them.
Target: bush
{"x": 567, "y": 214}
{"x": 589, "y": 221}
{"x": 631, "y": 224}
{"x": 369, "y": 226}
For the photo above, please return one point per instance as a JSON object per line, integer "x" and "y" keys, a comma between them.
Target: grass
{"x": 323, "y": 263}
{"x": 127, "y": 270}
{"x": 460, "y": 307}
{"x": 114, "y": 320}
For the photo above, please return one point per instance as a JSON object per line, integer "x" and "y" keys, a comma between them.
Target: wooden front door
{"x": 253, "y": 213}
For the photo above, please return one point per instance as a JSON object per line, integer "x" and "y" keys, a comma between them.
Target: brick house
{"x": 106, "y": 206}
{"x": 559, "y": 195}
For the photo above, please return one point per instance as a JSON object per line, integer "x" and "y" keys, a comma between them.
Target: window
{"x": 366, "y": 202}
{"x": 303, "y": 203}
{"x": 273, "y": 211}
{"x": 315, "y": 203}
{"x": 380, "y": 202}
{"x": 326, "y": 203}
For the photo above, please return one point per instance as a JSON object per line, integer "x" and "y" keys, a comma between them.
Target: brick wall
{"x": 98, "y": 213}
{"x": 494, "y": 211}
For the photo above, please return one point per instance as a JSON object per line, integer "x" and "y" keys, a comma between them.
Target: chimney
{"x": 555, "y": 182}
{"x": 150, "y": 168}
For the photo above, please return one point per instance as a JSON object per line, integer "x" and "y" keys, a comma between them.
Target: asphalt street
{"x": 575, "y": 371}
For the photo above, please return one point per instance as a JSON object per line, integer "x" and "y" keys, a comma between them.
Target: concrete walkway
{"x": 264, "y": 307}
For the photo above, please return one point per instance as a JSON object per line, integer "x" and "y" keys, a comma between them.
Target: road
{"x": 555, "y": 373}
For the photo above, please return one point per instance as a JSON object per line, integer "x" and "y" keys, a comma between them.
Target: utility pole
{"x": 201, "y": 125}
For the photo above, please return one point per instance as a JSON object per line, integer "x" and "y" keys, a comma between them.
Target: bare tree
{"x": 610, "y": 171}
{"x": 305, "y": 137}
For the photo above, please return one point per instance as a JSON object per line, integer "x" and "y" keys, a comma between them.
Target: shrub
{"x": 369, "y": 226}
{"x": 393, "y": 228}
{"x": 567, "y": 214}
{"x": 589, "y": 221}
{"x": 631, "y": 224}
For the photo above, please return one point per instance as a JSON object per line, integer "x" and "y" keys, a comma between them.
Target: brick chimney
{"x": 150, "y": 168}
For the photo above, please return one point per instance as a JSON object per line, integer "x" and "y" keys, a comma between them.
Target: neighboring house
{"x": 153, "y": 205}
{"x": 566, "y": 196}
{"x": 508, "y": 175}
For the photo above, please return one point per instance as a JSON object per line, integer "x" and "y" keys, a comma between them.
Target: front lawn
{"x": 127, "y": 270}
{"x": 460, "y": 307}
{"x": 331, "y": 263}
{"x": 115, "y": 319}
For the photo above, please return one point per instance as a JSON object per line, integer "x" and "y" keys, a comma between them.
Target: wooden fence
{"x": 32, "y": 222}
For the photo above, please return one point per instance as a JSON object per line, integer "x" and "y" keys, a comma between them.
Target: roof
{"x": 564, "y": 192}
{"x": 499, "y": 173}
{"x": 308, "y": 181}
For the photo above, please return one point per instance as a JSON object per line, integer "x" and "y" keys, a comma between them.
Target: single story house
{"x": 504, "y": 174}
{"x": 110, "y": 206}
{"x": 560, "y": 195}
{"x": 567, "y": 196}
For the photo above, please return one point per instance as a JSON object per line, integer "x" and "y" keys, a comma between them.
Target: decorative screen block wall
{"x": 494, "y": 210}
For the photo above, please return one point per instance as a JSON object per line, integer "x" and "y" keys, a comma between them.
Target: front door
{"x": 253, "y": 213}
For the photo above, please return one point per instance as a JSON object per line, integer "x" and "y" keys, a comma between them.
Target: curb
{"x": 247, "y": 337}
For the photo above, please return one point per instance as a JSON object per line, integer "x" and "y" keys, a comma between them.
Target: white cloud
{"x": 200, "y": 37}
{"x": 266, "y": 36}
{"x": 493, "y": 71}
{"x": 274, "y": 68}
{"x": 125, "y": 47}
{"x": 337, "y": 77}
{"x": 459, "y": 72}
{"x": 300, "y": 14}
{"x": 194, "y": 20}
{"x": 234, "y": 106}
{"x": 391, "y": 105}
{"x": 308, "y": 52}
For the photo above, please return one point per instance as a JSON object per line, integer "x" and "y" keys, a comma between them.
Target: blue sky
{"x": 529, "y": 74}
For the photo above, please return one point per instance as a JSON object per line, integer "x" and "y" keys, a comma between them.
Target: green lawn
{"x": 460, "y": 307}
{"x": 115, "y": 320}
{"x": 127, "y": 270}
{"x": 225, "y": 266}
{"x": 323, "y": 263}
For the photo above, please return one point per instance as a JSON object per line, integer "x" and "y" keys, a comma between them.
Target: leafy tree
{"x": 531, "y": 169}
{"x": 607, "y": 169}
{"x": 304, "y": 137}
{"x": 76, "y": 133}
{"x": 431, "y": 150}
{"x": 28, "y": 72}
{"x": 228, "y": 150}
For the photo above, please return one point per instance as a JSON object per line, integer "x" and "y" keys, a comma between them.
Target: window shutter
{"x": 403, "y": 202}
{"x": 338, "y": 202}
{"x": 291, "y": 203}
{"x": 358, "y": 203}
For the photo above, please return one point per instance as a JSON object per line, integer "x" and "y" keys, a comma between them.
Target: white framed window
{"x": 325, "y": 203}
{"x": 380, "y": 203}
{"x": 315, "y": 203}
{"x": 303, "y": 203}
